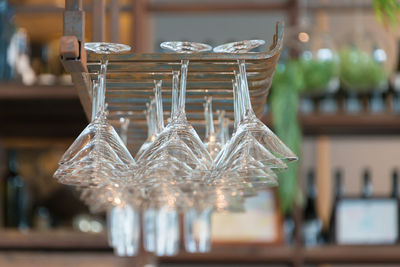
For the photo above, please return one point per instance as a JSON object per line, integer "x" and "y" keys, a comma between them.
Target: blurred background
{"x": 339, "y": 74}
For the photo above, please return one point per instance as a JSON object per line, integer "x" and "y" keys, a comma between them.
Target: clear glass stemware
{"x": 98, "y": 155}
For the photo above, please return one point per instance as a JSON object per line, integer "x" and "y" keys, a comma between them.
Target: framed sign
{"x": 260, "y": 223}
{"x": 367, "y": 221}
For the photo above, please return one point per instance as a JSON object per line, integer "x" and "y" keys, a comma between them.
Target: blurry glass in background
{"x": 32, "y": 198}
{"x": 7, "y": 29}
{"x": 17, "y": 202}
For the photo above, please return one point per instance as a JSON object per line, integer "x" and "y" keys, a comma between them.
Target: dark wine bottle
{"x": 395, "y": 185}
{"x": 312, "y": 224}
{"x": 367, "y": 185}
{"x": 339, "y": 193}
{"x": 16, "y": 202}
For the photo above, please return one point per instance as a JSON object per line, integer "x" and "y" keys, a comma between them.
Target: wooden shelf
{"x": 347, "y": 124}
{"x": 353, "y": 254}
{"x": 63, "y": 239}
{"x": 53, "y": 239}
{"x": 19, "y": 91}
{"x": 238, "y": 254}
{"x": 40, "y": 111}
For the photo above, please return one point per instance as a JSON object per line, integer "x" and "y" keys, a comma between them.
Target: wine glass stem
{"x": 236, "y": 112}
{"x": 209, "y": 118}
{"x": 160, "y": 119}
{"x": 153, "y": 119}
{"x": 102, "y": 86}
{"x": 175, "y": 94}
{"x": 95, "y": 99}
{"x": 244, "y": 86}
{"x": 150, "y": 119}
{"x": 226, "y": 131}
{"x": 124, "y": 129}
{"x": 221, "y": 123}
{"x": 240, "y": 101}
{"x": 182, "y": 95}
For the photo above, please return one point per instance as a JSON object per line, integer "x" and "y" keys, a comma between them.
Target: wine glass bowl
{"x": 239, "y": 47}
{"x": 106, "y": 48}
{"x": 185, "y": 47}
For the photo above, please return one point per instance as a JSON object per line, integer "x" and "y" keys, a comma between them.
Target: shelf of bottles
{"x": 355, "y": 220}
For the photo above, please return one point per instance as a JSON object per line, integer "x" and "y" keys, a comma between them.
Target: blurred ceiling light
{"x": 304, "y": 37}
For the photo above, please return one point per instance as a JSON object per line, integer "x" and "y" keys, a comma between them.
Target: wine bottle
{"x": 312, "y": 224}
{"x": 339, "y": 193}
{"x": 16, "y": 203}
{"x": 367, "y": 185}
{"x": 395, "y": 185}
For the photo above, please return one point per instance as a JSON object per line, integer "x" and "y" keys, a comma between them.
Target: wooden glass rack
{"x": 130, "y": 81}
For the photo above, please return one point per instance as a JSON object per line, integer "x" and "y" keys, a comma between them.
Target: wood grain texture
{"x": 62, "y": 259}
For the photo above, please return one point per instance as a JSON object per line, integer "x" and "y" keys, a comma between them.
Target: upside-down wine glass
{"x": 253, "y": 149}
{"x": 98, "y": 156}
{"x": 180, "y": 125}
{"x": 160, "y": 215}
{"x": 250, "y": 124}
{"x": 122, "y": 208}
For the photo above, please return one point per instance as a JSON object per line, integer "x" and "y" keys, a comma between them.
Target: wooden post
{"x": 323, "y": 179}
{"x": 98, "y": 20}
{"x": 298, "y": 258}
{"x": 322, "y": 19}
{"x": 293, "y": 12}
{"x": 114, "y": 19}
{"x": 140, "y": 34}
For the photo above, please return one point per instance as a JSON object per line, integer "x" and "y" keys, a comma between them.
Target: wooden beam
{"x": 114, "y": 21}
{"x": 13, "y": 91}
{"x": 293, "y": 12}
{"x": 368, "y": 254}
{"x": 215, "y": 7}
{"x": 323, "y": 179}
{"x": 82, "y": 84}
{"x": 63, "y": 259}
{"x": 98, "y": 20}
{"x": 54, "y": 239}
{"x": 140, "y": 42}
